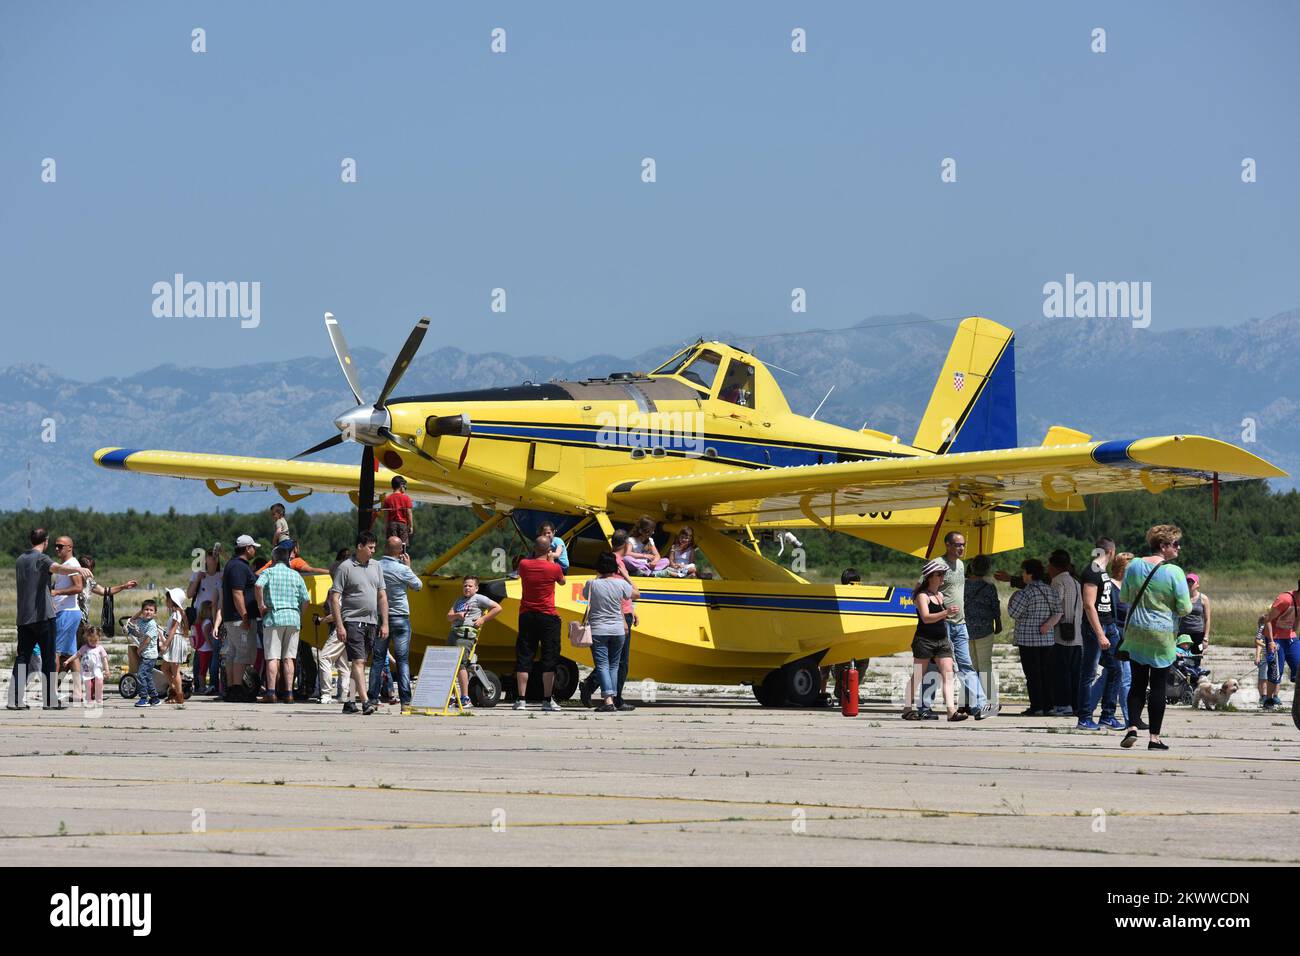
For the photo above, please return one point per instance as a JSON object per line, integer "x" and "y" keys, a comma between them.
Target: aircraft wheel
{"x": 485, "y": 696}
{"x": 128, "y": 686}
{"x": 803, "y": 683}
{"x": 770, "y": 691}
{"x": 566, "y": 680}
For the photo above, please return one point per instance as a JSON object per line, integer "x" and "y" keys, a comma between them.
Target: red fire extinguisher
{"x": 849, "y": 693}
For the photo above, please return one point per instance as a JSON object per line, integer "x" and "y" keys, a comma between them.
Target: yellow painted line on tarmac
{"x": 658, "y": 798}
{"x": 375, "y": 827}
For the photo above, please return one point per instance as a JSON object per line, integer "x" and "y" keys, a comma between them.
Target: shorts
{"x": 459, "y": 638}
{"x": 930, "y": 648}
{"x": 537, "y": 628}
{"x": 238, "y": 644}
{"x": 361, "y": 640}
{"x": 65, "y": 632}
{"x": 399, "y": 529}
{"x": 1269, "y": 669}
{"x": 281, "y": 642}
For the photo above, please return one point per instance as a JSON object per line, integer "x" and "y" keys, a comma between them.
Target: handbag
{"x": 108, "y": 623}
{"x": 580, "y": 631}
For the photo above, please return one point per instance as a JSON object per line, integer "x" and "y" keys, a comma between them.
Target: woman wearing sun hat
{"x": 931, "y": 643}
{"x": 174, "y": 648}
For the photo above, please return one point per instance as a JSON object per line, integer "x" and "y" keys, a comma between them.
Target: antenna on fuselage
{"x": 822, "y": 402}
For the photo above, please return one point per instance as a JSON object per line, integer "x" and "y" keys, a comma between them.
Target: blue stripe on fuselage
{"x": 777, "y": 456}
{"x": 899, "y": 602}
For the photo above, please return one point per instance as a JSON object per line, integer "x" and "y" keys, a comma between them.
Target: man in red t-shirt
{"x": 538, "y": 622}
{"x": 398, "y": 513}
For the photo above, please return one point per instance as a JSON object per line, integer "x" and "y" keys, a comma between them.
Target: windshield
{"x": 703, "y": 370}
{"x": 674, "y": 364}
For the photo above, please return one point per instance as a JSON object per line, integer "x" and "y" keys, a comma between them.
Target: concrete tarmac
{"x": 692, "y": 779}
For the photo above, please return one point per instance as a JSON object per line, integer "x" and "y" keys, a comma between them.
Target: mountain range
{"x": 1101, "y": 376}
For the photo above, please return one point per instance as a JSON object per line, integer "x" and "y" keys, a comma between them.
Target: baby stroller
{"x": 1185, "y": 674}
{"x": 128, "y": 686}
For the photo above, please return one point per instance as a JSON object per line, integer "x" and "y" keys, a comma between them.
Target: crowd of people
{"x": 1104, "y": 637}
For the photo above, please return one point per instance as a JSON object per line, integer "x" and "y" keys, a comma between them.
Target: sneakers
{"x": 606, "y": 709}
{"x": 142, "y": 702}
{"x": 369, "y": 707}
{"x": 519, "y": 704}
{"x": 551, "y": 707}
{"x": 351, "y": 708}
{"x": 157, "y": 701}
{"x": 927, "y": 714}
{"x": 1157, "y": 745}
{"x": 1114, "y": 723}
{"x": 1062, "y": 711}
{"x": 584, "y": 691}
{"x": 1087, "y": 724}
{"x": 466, "y": 703}
{"x": 623, "y": 705}
{"x": 987, "y": 711}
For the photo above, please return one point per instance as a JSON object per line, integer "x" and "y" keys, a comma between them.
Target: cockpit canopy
{"x": 719, "y": 371}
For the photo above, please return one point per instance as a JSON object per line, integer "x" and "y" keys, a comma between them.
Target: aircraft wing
{"x": 1059, "y": 474}
{"x": 226, "y": 473}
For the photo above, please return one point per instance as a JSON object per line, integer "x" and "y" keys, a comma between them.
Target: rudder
{"x": 973, "y": 405}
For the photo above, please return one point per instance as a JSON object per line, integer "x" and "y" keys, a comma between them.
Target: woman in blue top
{"x": 1156, "y": 591}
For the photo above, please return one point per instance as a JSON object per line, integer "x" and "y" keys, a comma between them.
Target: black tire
{"x": 128, "y": 686}
{"x": 566, "y": 680}
{"x": 770, "y": 691}
{"x": 803, "y": 683}
{"x": 1295, "y": 710}
{"x": 482, "y": 696}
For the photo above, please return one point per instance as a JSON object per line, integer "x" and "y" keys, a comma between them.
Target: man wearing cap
{"x": 358, "y": 602}
{"x": 281, "y": 598}
{"x": 239, "y": 615}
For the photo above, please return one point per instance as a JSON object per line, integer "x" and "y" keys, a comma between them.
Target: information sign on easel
{"x": 437, "y": 690}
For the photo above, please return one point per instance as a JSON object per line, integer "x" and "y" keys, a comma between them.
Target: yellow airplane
{"x": 708, "y": 439}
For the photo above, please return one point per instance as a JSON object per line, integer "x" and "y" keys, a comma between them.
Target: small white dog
{"x": 1214, "y": 698}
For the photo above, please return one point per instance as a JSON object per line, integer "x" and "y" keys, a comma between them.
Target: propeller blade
{"x": 403, "y": 360}
{"x": 366, "y": 493}
{"x": 343, "y": 355}
{"x": 463, "y": 452}
{"x": 327, "y": 443}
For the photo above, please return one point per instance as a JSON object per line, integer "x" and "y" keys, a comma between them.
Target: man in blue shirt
{"x": 398, "y": 578}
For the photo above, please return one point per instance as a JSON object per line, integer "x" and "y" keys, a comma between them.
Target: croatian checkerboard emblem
{"x": 958, "y": 381}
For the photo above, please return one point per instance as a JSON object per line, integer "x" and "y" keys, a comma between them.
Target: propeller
{"x": 369, "y": 425}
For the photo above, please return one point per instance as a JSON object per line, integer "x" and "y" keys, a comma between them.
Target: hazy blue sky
{"x": 522, "y": 170}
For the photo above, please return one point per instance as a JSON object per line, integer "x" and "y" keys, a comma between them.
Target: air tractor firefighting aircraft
{"x": 707, "y": 439}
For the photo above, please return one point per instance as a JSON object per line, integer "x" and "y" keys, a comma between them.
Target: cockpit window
{"x": 738, "y": 384}
{"x": 674, "y": 364}
{"x": 703, "y": 370}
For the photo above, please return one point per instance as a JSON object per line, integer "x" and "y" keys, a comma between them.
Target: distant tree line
{"x": 1256, "y": 528}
